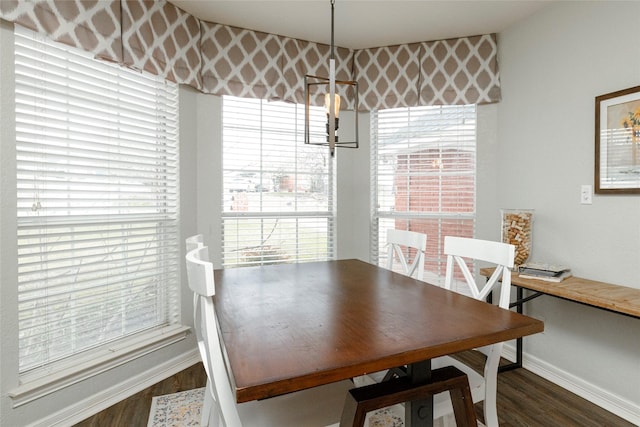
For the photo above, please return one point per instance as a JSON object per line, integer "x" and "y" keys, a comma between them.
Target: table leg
{"x": 419, "y": 413}
{"x": 518, "y": 304}
{"x": 520, "y": 297}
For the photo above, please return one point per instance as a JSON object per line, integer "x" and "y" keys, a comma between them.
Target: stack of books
{"x": 544, "y": 271}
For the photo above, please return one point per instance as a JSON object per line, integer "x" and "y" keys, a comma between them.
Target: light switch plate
{"x": 586, "y": 192}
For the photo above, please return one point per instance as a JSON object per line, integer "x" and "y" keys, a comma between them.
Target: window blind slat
{"x": 97, "y": 172}
{"x": 92, "y": 139}
{"x": 278, "y": 193}
{"x": 423, "y": 164}
{"x": 96, "y": 283}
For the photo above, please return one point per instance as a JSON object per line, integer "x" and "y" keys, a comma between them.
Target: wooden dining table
{"x": 290, "y": 327}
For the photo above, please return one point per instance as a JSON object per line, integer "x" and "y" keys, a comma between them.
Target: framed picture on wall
{"x": 617, "y": 165}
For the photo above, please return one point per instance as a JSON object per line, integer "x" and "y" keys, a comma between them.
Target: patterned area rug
{"x": 177, "y": 409}
{"x": 183, "y": 410}
{"x": 387, "y": 417}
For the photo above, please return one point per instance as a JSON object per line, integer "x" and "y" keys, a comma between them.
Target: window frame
{"x": 268, "y": 215}
{"x": 435, "y": 261}
{"x": 37, "y": 382}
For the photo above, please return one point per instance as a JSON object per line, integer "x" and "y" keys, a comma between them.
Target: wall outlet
{"x": 586, "y": 192}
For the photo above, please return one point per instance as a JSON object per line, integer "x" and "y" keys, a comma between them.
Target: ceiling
{"x": 366, "y": 23}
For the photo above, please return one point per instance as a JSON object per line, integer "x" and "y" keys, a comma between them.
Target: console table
{"x": 606, "y": 296}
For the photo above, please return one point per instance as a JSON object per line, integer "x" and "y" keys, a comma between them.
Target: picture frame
{"x": 617, "y": 142}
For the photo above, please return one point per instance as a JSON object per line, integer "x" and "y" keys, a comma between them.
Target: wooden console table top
{"x": 616, "y": 298}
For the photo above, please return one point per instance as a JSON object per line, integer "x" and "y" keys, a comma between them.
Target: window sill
{"x": 41, "y": 383}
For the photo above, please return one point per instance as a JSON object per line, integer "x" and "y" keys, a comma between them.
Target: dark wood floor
{"x": 524, "y": 399}
{"x": 527, "y": 400}
{"x": 134, "y": 411}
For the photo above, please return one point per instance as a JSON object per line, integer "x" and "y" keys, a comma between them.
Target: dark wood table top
{"x": 289, "y": 327}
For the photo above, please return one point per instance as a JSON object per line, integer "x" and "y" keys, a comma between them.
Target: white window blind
{"x": 97, "y": 171}
{"x": 277, "y": 191}
{"x": 423, "y": 176}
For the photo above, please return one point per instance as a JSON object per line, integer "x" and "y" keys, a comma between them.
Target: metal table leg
{"x": 518, "y": 304}
{"x": 419, "y": 413}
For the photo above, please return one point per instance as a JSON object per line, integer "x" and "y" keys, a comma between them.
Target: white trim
{"x": 92, "y": 405}
{"x": 110, "y": 358}
{"x": 623, "y": 408}
{"x": 97, "y": 212}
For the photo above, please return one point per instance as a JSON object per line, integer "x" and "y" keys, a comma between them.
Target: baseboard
{"x": 93, "y": 404}
{"x": 594, "y": 394}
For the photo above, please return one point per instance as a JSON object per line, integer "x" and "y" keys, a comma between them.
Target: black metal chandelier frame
{"x": 311, "y": 84}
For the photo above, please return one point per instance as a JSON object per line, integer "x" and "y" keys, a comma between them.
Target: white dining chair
{"x": 318, "y": 406}
{"x": 193, "y": 242}
{"x": 501, "y": 255}
{"x": 483, "y": 386}
{"x": 409, "y": 248}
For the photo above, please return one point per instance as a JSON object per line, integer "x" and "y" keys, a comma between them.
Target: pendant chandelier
{"x": 332, "y": 90}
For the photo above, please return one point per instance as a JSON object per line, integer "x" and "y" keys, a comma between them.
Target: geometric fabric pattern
{"x": 460, "y": 71}
{"x": 162, "y": 39}
{"x": 388, "y": 77}
{"x": 93, "y": 26}
{"x": 240, "y": 62}
{"x": 247, "y": 63}
{"x": 302, "y": 58}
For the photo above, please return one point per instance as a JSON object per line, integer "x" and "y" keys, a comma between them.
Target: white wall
{"x": 552, "y": 66}
{"x": 209, "y": 182}
{"x": 354, "y": 193}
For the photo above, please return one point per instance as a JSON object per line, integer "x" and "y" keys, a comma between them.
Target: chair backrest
{"x": 414, "y": 243}
{"x": 194, "y": 242}
{"x": 198, "y": 269}
{"x": 502, "y": 256}
{"x": 200, "y": 276}
{"x": 497, "y": 253}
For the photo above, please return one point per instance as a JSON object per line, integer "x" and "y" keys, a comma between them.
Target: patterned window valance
{"x": 160, "y": 38}
{"x": 388, "y": 77}
{"x": 240, "y": 62}
{"x": 93, "y": 26}
{"x": 253, "y": 64}
{"x": 302, "y": 57}
{"x": 460, "y": 71}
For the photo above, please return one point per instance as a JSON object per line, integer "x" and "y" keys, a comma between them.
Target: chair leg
{"x": 362, "y": 400}
{"x": 463, "y": 406}
{"x": 352, "y": 415}
{"x": 207, "y": 405}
